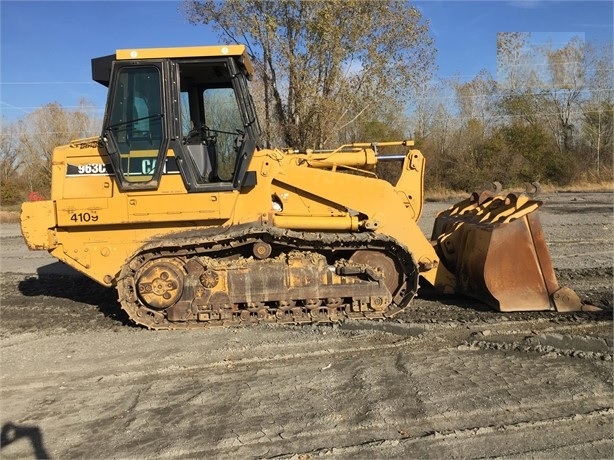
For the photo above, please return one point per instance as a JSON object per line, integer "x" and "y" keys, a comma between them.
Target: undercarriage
{"x": 251, "y": 274}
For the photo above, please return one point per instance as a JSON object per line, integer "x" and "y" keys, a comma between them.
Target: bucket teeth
{"x": 566, "y": 299}
{"x": 495, "y": 246}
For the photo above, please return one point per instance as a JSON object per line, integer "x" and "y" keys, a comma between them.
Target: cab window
{"x": 211, "y": 122}
{"x": 135, "y": 121}
{"x": 224, "y": 127}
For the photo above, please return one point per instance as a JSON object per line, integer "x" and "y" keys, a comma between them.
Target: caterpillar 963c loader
{"x": 180, "y": 208}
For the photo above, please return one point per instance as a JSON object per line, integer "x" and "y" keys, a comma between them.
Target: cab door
{"x": 135, "y": 126}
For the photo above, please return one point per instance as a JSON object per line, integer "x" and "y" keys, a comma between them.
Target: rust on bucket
{"x": 496, "y": 248}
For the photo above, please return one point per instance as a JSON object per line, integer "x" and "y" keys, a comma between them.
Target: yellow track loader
{"x": 180, "y": 208}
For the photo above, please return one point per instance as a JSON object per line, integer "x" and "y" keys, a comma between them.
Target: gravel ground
{"x": 448, "y": 378}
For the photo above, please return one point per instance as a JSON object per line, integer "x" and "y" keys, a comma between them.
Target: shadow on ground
{"x": 60, "y": 281}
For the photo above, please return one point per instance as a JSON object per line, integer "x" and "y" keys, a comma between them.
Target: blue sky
{"x": 46, "y": 46}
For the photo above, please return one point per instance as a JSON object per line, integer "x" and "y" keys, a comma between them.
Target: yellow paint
{"x": 95, "y": 228}
{"x": 187, "y": 52}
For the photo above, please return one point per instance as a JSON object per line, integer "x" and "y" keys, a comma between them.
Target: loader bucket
{"x": 496, "y": 249}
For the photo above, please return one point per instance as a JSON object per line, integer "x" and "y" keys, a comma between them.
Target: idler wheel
{"x": 160, "y": 284}
{"x": 381, "y": 263}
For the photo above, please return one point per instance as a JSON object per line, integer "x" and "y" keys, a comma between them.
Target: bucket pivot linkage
{"x": 495, "y": 247}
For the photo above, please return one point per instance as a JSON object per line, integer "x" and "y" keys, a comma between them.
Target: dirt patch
{"x": 449, "y": 378}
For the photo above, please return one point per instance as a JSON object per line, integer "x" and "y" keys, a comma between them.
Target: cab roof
{"x": 101, "y": 67}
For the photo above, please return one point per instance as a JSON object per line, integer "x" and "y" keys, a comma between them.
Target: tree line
{"x": 26, "y": 148}
{"x": 329, "y": 73}
{"x": 546, "y": 116}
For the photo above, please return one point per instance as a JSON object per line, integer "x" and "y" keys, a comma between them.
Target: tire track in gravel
{"x": 478, "y": 442}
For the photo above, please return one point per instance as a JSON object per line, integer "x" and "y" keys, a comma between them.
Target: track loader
{"x": 178, "y": 206}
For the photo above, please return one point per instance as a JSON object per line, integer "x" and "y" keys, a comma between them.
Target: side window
{"x": 223, "y": 128}
{"x": 194, "y": 137}
{"x": 186, "y": 122}
{"x": 216, "y": 131}
{"x": 135, "y": 121}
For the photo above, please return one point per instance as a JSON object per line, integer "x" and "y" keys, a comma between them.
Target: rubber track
{"x": 232, "y": 240}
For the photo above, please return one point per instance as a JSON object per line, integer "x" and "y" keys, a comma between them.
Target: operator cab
{"x": 191, "y": 101}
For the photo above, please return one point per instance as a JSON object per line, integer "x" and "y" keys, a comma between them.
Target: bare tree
{"x": 10, "y": 159}
{"x": 324, "y": 64}
{"x": 477, "y": 100}
{"x": 598, "y": 110}
{"x": 562, "y": 89}
{"x": 517, "y": 78}
{"x": 46, "y": 128}
{"x": 513, "y": 55}
{"x": 424, "y": 106}
{"x": 10, "y": 163}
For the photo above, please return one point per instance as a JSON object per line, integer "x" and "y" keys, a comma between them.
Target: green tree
{"x": 324, "y": 65}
